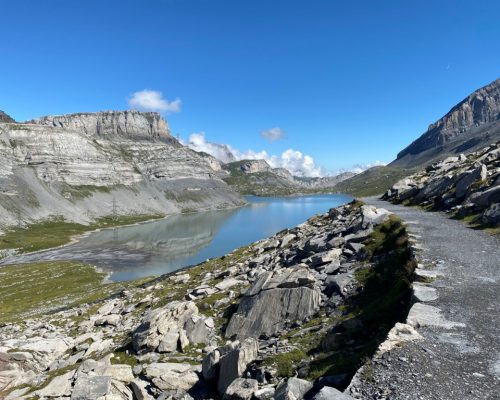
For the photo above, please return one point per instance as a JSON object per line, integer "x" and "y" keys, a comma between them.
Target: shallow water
{"x": 163, "y": 246}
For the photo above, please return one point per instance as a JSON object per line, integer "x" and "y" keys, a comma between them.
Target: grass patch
{"x": 84, "y": 191}
{"x": 30, "y": 290}
{"x": 56, "y": 232}
{"x": 286, "y": 363}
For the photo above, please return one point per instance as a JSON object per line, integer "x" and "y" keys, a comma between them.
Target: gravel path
{"x": 459, "y": 356}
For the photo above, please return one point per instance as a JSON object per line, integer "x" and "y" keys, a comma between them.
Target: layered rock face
{"x": 463, "y": 185}
{"x": 73, "y": 166}
{"x": 127, "y": 124}
{"x": 474, "y": 122}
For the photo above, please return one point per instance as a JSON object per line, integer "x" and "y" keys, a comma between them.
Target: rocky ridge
{"x": 5, "y": 117}
{"x": 472, "y": 123}
{"x": 205, "y": 330}
{"x": 466, "y": 185}
{"x": 75, "y": 166}
{"x": 257, "y": 177}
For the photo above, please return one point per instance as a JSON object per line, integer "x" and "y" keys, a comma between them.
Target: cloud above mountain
{"x": 152, "y": 100}
{"x": 298, "y": 163}
{"x": 273, "y": 134}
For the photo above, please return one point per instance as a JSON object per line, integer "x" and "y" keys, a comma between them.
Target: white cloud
{"x": 151, "y": 100}
{"x": 358, "y": 168}
{"x": 296, "y": 162}
{"x": 222, "y": 152}
{"x": 273, "y": 134}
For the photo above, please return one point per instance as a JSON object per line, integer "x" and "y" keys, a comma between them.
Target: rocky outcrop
{"x": 463, "y": 185}
{"x": 108, "y": 124}
{"x": 276, "y": 299}
{"x": 172, "y": 328}
{"x": 74, "y": 166}
{"x": 472, "y": 123}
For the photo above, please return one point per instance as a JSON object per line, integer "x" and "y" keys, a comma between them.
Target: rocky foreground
{"x": 290, "y": 317}
{"x": 466, "y": 185}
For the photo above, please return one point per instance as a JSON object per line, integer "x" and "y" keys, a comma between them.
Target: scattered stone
{"x": 241, "y": 389}
{"x": 422, "y": 314}
{"x": 329, "y": 393}
{"x": 293, "y": 388}
{"x": 173, "y": 376}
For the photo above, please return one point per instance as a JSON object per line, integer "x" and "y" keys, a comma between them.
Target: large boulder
{"x": 373, "y": 216}
{"x": 99, "y": 387}
{"x": 463, "y": 185}
{"x": 276, "y": 299}
{"x": 173, "y": 376}
{"x": 162, "y": 328}
{"x": 491, "y": 215}
{"x": 489, "y": 196}
{"x": 292, "y": 389}
{"x": 435, "y": 187}
{"x": 233, "y": 363}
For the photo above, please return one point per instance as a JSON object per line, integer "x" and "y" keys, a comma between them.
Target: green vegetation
{"x": 475, "y": 221}
{"x": 373, "y": 181}
{"x": 83, "y": 191}
{"x": 34, "y": 289}
{"x": 195, "y": 196}
{"x": 286, "y": 363}
{"x": 56, "y": 232}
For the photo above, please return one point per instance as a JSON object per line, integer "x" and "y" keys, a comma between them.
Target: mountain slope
{"x": 76, "y": 166}
{"x": 257, "y": 177}
{"x": 471, "y": 124}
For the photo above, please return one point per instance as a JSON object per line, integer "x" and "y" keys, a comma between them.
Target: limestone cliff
{"x": 74, "y": 165}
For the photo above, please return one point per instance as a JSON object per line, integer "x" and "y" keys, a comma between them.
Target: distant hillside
{"x": 471, "y": 124}
{"x": 257, "y": 177}
{"x": 373, "y": 181}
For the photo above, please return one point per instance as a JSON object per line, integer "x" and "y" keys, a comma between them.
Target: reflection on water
{"x": 163, "y": 246}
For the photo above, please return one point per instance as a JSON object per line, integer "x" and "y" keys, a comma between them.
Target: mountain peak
{"x": 5, "y": 117}
{"x": 476, "y": 117}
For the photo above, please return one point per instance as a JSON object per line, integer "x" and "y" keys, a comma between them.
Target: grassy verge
{"x": 475, "y": 221}
{"x": 56, "y": 232}
{"x": 34, "y": 289}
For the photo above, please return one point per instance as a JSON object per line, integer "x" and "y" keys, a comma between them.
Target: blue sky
{"x": 348, "y": 82}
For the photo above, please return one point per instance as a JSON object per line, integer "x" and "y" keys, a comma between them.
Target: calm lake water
{"x": 163, "y": 246}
